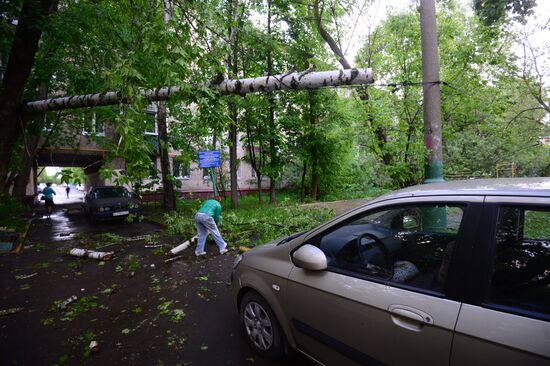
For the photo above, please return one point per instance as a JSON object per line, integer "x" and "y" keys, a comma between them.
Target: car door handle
{"x": 409, "y": 318}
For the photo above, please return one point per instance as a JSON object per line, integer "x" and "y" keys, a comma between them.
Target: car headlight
{"x": 238, "y": 260}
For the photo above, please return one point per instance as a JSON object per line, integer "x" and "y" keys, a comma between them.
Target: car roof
{"x": 101, "y": 187}
{"x": 536, "y": 187}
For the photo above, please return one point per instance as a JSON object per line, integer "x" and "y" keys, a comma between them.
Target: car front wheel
{"x": 261, "y": 327}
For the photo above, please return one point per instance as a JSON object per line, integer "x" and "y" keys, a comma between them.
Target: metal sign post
{"x": 210, "y": 159}
{"x": 213, "y": 178}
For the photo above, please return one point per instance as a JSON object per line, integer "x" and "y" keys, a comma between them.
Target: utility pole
{"x": 433, "y": 170}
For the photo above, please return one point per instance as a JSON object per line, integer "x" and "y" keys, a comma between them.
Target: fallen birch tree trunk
{"x": 183, "y": 246}
{"x": 105, "y": 256}
{"x": 289, "y": 81}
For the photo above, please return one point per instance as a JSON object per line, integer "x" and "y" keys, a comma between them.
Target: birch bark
{"x": 290, "y": 81}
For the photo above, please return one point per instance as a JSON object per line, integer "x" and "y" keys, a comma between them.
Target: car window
{"x": 409, "y": 245}
{"x": 109, "y": 192}
{"x": 521, "y": 271}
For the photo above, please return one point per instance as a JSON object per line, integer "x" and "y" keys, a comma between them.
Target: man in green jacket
{"x": 206, "y": 219}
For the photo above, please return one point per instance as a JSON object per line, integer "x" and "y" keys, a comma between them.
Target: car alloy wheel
{"x": 258, "y": 326}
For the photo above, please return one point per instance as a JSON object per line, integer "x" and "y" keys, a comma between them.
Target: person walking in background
{"x": 68, "y": 189}
{"x": 207, "y": 218}
{"x": 48, "y": 193}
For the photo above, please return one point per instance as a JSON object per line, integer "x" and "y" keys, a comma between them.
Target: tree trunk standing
{"x": 18, "y": 69}
{"x": 433, "y": 171}
{"x": 273, "y": 160}
{"x": 273, "y": 157}
{"x": 27, "y": 162}
{"x": 313, "y": 151}
{"x": 259, "y": 185}
{"x": 169, "y": 196}
{"x": 314, "y": 181}
{"x": 233, "y": 155}
{"x": 28, "y": 153}
{"x": 380, "y": 131}
{"x": 233, "y": 113}
{"x": 303, "y": 183}
{"x": 381, "y": 141}
{"x": 327, "y": 37}
{"x": 256, "y": 158}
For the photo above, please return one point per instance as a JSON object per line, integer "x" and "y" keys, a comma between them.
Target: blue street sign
{"x": 209, "y": 159}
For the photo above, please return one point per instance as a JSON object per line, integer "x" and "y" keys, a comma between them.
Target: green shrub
{"x": 251, "y": 223}
{"x": 11, "y": 213}
{"x": 181, "y": 224}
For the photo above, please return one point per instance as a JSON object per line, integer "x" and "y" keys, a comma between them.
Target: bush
{"x": 265, "y": 223}
{"x": 11, "y": 213}
{"x": 251, "y": 223}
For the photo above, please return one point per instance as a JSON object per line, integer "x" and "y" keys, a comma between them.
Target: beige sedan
{"x": 442, "y": 274}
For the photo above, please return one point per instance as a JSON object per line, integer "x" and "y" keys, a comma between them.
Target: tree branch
{"x": 523, "y": 111}
{"x": 328, "y": 38}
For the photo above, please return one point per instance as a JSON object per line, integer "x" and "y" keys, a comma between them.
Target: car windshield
{"x": 109, "y": 192}
{"x": 289, "y": 238}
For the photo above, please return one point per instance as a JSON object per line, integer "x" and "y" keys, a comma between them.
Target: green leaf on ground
{"x": 177, "y": 315}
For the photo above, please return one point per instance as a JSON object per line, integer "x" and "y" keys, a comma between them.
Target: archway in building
{"x": 78, "y": 167}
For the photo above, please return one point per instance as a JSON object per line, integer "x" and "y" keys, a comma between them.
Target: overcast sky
{"x": 381, "y": 8}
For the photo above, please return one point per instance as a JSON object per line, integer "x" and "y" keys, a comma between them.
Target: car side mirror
{"x": 310, "y": 257}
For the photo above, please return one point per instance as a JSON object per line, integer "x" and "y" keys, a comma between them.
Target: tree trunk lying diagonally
{"x": 290, "y": 81}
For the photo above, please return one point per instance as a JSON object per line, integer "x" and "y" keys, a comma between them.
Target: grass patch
{"x": 86, "y": 338}
{"x": 108, "y": 238}
{"x": 251, "y": 223}
{"x": 131, "y": 262}
{"x": 72, "y": 310}
{"x": 96, "y": 241}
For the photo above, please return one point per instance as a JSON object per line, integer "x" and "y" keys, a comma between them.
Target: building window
{"x": 97, "y": 127}
{"x": 180, "y": 169}
{"x": 150, "y": 125}
{"x": 48, "y": 123}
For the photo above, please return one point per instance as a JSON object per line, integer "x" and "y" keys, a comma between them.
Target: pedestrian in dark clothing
{"x": 68, "y": 189}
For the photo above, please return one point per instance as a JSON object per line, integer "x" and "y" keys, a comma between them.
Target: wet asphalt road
{"x": 139, "y": 309}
